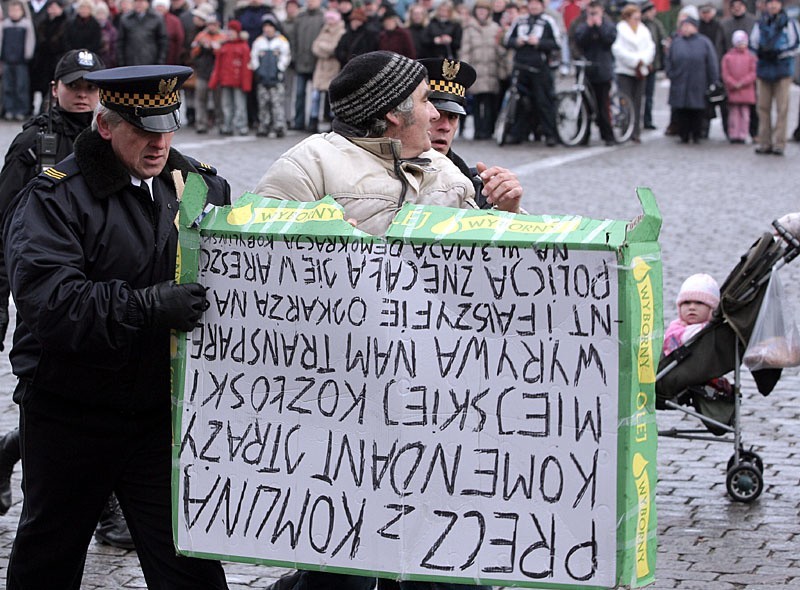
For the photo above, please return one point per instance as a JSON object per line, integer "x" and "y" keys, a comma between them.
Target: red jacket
{"x": 399, "y": 41}
{"x": 231, "y": 68}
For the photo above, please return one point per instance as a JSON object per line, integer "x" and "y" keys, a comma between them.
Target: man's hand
{"x": 171, "y": 305}
{"x": 790, "y": 222}
{"x": 501, "y": 187}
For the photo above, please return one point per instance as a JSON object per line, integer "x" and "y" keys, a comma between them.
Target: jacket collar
{"x": 382, "y": 147}
{"x": 104, "y": 173}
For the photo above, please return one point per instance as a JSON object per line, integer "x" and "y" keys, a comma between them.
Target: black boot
{"x": 9, "y": 455}
{"x": 112, "y": 528}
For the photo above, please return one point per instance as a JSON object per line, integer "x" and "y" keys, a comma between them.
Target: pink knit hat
{"x": 700, "y": 287}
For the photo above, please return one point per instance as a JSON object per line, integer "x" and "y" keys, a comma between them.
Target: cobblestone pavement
{"x": 715, "y": 198}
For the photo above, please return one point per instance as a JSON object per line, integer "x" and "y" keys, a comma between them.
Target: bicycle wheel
{"x": 572, "y": 117}
{"x": 505, "y": 119}
{"x": 621, "y": 116}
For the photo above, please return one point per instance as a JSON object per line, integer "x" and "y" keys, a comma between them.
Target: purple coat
{"x": 739, "y": 76}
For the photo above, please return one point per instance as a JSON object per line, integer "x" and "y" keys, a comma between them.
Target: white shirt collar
{"x": 138, "y": 182}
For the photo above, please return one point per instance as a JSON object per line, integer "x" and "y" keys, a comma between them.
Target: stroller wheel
{"x": 747, "y": 457}
{"x": 744, "y": 482}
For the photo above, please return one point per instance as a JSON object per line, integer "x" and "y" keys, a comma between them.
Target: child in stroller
{"x": 696, "y": 301}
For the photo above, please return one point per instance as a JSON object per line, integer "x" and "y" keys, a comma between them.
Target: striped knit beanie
{"x": 371, "y": 85}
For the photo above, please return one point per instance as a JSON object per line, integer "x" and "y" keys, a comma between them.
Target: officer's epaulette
{"x": 202, "y": 167}
{"x": 61, "y": 171}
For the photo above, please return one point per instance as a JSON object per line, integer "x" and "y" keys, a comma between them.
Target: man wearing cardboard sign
{"x": 379, "y": 154}
{"x": 378, "y": 157}
{"x": 449, "y": 81}
{"x": 91, "y": 251}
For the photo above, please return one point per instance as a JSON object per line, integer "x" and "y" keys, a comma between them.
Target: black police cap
{"x": 145, "y": 96}
{"x": 75, "y": 64}
{"x": 449, "y": 80}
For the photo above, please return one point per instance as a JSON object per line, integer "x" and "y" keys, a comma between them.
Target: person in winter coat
{"x": 204, "y": 55}
{"x": 232, "y": 75}
{"x": 175, "y": 32}
{"x": 416, "y": 23}
{"x": 251, "y": 13}
{"x": 269, "y": 58}
{"x": 739, "y": 76}
{"x": 378, "y": 157}
{"x": 142, "y": 37}
{"x": 108, "y": 35}
{"x": 481, "y": 49}
{"x": 595, "y": 37}
{"x": 393, "y": 37}
{"x": 533, "y": 37}
{"x": 51, "y": 45}
{"x": 306, "y": 28}
{"x": 324, "y": 49}
{"x": 692, "y": 66}
{"x": 659, "y": 35}
{"x": 740, "y": 20}
{"x": 634, "y": 52}
{"x": 73, "y": 102}
{"x": 775, "y": 39}
{"x": 83, "y": 30}
{"x": 358, "y": 39}
{"x": 443, "y": 33}
{"x": 17, "y": 49}
{"x": 90, "y": 250}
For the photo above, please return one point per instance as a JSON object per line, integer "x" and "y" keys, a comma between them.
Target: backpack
{"x": 268, "y": 74}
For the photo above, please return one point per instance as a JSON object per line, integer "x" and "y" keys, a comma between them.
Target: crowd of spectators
{"x": 264, "y": 66}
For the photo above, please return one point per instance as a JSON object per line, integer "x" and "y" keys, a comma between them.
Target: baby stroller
{"x": 716, "y": 350}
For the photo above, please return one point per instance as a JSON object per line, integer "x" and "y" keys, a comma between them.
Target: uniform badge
{"x": 85, "y": 59}
{"x": 167, "y": 86}
{"x": 450, "y": 69}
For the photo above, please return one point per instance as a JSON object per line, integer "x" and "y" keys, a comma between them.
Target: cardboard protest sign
{"x": 467, "y": 399}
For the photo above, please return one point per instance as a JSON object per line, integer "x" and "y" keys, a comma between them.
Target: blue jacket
{"x": 775, "y": 40}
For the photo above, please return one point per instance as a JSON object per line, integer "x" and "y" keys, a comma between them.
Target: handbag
{"x": 715, "y": 94}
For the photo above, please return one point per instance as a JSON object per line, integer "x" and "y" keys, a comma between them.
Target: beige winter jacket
{"x": 481, "y": 49}
{"x": 359, "y": 174}
{"x": 324, "y": 49}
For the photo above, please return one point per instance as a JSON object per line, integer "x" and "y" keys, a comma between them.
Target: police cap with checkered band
{"x": 448, "y": 80}
{"x": 147, "y": 97}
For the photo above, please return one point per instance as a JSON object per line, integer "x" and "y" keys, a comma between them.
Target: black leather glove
{"x": 3, "y": 324}
{"x": 170, "y": 305}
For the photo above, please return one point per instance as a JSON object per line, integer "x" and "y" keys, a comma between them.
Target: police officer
{"x": 91, "y": 250}
{"x": 47, "y": 139}
{"x": 449, "y": 81}
{"x": 44, "y": 140}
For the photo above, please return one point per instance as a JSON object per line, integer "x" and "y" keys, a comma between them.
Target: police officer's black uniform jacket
{"x": 79, "y": 240}
{"x": 472, "y": 174}
{"x": 21, "y": 163}
{"x": 22, "y": 160}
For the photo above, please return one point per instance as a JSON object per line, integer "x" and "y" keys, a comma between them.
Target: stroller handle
{"x": 794, "y": 244}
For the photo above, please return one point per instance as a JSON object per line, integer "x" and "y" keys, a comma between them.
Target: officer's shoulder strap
{"x": 202, "y": 167}
{"x": 61, "y": 171}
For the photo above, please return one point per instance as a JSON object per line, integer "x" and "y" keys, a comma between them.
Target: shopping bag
{"x": 775, "y": 341}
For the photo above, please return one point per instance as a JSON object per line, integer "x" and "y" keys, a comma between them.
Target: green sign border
{"x": 640, "y": 309}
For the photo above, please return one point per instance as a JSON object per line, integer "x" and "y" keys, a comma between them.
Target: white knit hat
{"x": 700, "y": 287}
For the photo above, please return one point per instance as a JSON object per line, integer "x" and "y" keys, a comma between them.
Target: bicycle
{"x": 508, "y": 108}
{"x": 576, "y": 108}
